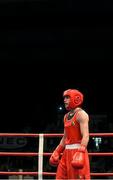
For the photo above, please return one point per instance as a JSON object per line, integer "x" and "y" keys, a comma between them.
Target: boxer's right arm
{"x": 79, "y": 157}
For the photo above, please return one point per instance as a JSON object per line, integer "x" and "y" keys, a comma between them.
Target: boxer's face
{"x": 66, "y": 101}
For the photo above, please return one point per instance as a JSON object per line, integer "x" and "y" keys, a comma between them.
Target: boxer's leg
{"x": 62, "y": 169}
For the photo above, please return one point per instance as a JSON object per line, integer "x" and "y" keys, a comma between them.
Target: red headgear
{"x": 76, "y": 98}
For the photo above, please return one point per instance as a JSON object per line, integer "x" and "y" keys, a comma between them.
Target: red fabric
{"x": 72, "y": 129}
{"x": 65, "y": 169}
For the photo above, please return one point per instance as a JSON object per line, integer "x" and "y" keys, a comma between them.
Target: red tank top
{"x": 72, "y": 129}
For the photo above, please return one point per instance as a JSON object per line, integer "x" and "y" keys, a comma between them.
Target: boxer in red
{"x": 74, "y": 163}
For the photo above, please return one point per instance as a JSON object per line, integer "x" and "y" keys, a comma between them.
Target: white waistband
{"x": 72, "y": 146}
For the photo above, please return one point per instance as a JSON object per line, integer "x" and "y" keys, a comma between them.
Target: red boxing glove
{"x": 79, "y": 158}
{"x": 54, "y": 159}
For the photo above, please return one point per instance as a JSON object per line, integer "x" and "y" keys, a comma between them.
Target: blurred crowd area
{"x": 98, "y": 124}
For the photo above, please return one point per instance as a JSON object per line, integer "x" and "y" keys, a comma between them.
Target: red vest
{"x": 72, "y": 129}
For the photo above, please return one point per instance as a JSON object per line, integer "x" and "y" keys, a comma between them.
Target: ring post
{"x": 40, "y": 157}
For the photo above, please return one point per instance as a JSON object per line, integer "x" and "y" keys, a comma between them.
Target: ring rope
{"x": 47, "y": 154}
{"x": 40, "y": 154}
{"x": 50, "y": 135}
{"x": 48, "y": 173}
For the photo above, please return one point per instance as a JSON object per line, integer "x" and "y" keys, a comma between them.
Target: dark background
{"x": 47, "y": 47}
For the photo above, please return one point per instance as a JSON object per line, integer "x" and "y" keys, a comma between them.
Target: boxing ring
{"x": 40, "y": 153}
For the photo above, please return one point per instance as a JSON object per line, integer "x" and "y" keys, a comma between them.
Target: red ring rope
{"x": 48, "y": 154}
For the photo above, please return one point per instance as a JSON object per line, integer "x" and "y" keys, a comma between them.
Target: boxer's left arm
{"x": 54, "y": 159}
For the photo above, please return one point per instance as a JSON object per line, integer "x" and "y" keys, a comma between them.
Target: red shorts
{"x": 65, "y": 169}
